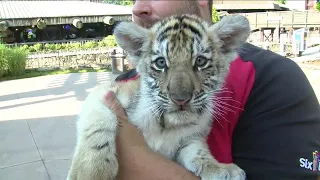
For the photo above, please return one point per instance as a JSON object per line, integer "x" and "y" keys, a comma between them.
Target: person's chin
{"x": 145, "y": 23}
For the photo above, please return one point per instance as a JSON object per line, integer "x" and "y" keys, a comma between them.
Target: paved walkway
{"x": 37, "y": 123}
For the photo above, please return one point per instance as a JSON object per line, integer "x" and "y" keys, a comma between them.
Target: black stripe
{"x": 180, "y": 149}
{"x": 194, "y": 20}
{"x": 162, "y": 96}
{"x": 198, "y": 40}
{"x": 167, "y": 52}
{"x": 191, "y": 46}
{"x": 163, "y": 35}
{"x": 97, "y": 131}
{"x": 152, "y": 85}
{"x": 192, "y": 29}
{"x": 208, "y": 85}
{"x": 162, "y": 38}
{"x": 181, "y": 23}
{"x": 206, "y": 51}
{"x": 209, "y": 66}
{"x": 101, "y": 146}
{"x": 162, "y": 123}
{"x": 155, "y": 69}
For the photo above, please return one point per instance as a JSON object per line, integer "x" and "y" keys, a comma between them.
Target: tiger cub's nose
{"x": 180, "y": 99}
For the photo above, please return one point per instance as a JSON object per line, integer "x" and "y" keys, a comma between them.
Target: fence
{"x": 69, "y": 41}
{"x": 86, "y": 58}
{"x": 286, "y": 19}
{"x": 108, "y": 51}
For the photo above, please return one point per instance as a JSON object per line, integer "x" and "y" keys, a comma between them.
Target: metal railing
{"x": 68, "y": 41}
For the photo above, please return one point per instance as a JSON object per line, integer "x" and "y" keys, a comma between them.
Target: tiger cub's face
{"x": 182, "y": 59}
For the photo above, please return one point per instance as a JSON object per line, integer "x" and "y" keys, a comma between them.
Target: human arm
{"x": 136, "y": 160}
{"x": 279, "y": 127}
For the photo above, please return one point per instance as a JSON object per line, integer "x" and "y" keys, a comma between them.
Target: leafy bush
{"x": 282, "y": 1}
{"x": 108, "y": 41}
{"x": 38, "y": 47}
{"x": 215, "y": 15}
{"x": 317, "y": 6}
{"x": 50, "y": 47}
{"x": 117, "y": 2}
{"x": 25, "y": 47}
{"x": 76, "y": 45}
{"x": 3, "y": 60}
{"x": 58, "y": 47}
{"x": 17, "y": 61}
{"x": 89, "y": 45}
{"x": 12, "y": 61}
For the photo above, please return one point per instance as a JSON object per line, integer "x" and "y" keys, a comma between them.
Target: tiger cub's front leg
{"x": 95, "y": 153}
{"x": 195, "y": 156}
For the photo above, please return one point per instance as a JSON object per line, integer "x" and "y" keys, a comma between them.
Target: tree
{"x": 317, "y": 6}
{"x": 215, "y": 15}
{"x": 282, "y": 1}
{"x": 118, "y": 2}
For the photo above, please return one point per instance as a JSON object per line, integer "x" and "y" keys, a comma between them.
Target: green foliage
{"x": 58, "y": 46}
{"x": 12, "y": 61}
{"x": 282, "y": 1}
{"x": 118, "y": 2}
{"x": 50, "y": 47}
{"x": 17, "y": 62}
{"x": 37, "y": 47}
{"x": 89, "y": 45}
{"x": 215, "y": 15}
{"x": 75, "y": 45}
{"x": 3, "y": 60}
{"x": 317, "y": 6}
{"x": 108, "y": 41}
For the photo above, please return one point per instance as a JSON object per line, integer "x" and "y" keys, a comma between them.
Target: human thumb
{"x": 113, "y": 103}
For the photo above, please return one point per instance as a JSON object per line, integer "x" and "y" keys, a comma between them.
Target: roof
{"x": 51, "y": 9}
{"x": 235, "y": 6}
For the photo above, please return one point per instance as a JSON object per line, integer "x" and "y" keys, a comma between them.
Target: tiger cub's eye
{"x": 159, "y": 64}
{"x": 201, "y": 62}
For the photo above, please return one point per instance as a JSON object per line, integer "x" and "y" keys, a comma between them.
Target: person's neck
{"x": 206, "y": 16}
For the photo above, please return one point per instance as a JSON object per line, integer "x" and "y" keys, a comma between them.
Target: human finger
{"x": 113, "y": 103}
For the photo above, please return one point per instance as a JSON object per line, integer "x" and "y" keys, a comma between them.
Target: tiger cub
{"x": 182, "y": 62}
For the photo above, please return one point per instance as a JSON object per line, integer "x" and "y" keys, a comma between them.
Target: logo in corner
{"x": 316, "y": 161}
{"x": 313, "y": 165}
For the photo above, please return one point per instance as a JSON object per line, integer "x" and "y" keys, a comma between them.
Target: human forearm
{"x": 145, "y": 165}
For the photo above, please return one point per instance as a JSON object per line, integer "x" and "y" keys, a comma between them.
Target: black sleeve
{"x": 279, "y": 130}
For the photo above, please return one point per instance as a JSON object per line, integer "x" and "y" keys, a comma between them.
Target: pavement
{"x": 313, "y": 75}
{"x": 309, "y": 54}
{"x": 37, "y": 122}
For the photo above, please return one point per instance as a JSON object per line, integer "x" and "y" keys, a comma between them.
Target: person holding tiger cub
{"x": 266, "y": 115}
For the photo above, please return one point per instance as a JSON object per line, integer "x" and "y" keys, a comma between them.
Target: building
{"x": 247, "y": 6}
{"x": 35, "y": 21}
{"x": 301, "y": 4}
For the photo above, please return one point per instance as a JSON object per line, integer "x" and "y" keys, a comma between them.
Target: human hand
{"x": 129, "y": 139}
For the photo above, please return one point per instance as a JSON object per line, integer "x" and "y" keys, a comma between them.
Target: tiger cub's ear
{"x": 231, "y": 31}
{"x": 132, "y": 38}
